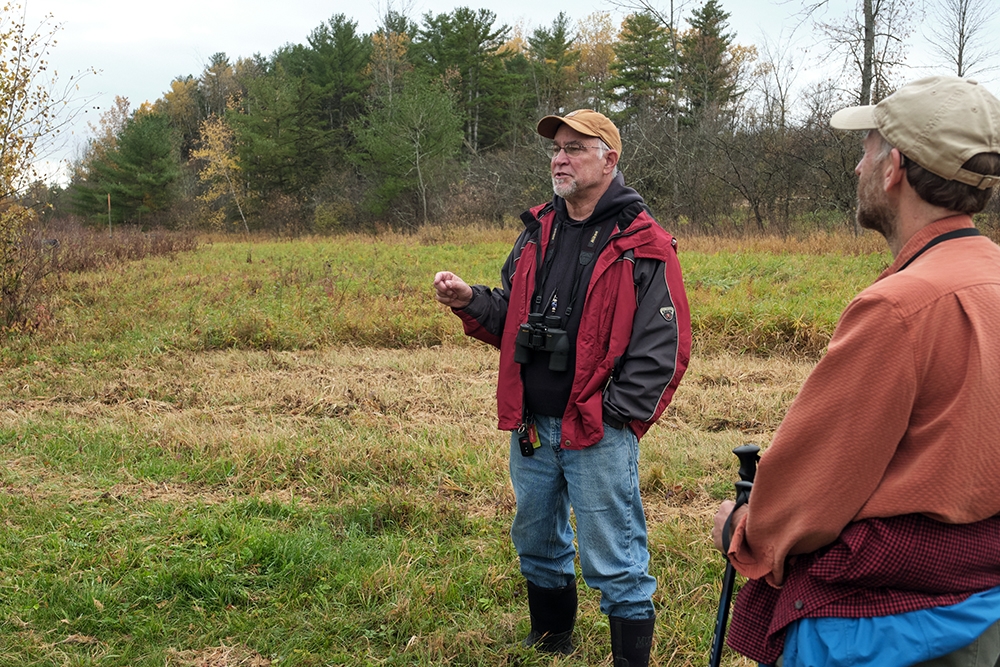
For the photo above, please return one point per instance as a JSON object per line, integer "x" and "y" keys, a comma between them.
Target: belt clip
{"x": 527, "y": 438}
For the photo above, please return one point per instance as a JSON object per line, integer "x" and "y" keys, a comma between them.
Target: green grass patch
{"x": 376, "y": 291}
{"x": 767, "y": 303}
{"x": 285, "y": 454}
{"x": 275, "y": 295}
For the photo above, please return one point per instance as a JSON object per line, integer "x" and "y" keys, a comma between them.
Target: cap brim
{"x": 548, "y": 126}
{"x": 854, "y": 118}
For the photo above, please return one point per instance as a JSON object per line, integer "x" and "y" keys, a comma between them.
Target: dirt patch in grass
{"x": 220, "y": 656}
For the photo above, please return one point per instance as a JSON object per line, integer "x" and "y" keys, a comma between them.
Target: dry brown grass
{"x": 815, "y": 243}
{"x": 292, "y": 423}
{"x": 746, "y": 393}
{"x": 252, "y": 407}
{"x": 221, "y": 656}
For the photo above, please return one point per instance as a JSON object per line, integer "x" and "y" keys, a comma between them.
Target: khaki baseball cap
{"x": 584, "y": 121}
{"x": 938, "y": 122}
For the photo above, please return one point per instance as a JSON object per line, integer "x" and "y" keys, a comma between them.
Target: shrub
{"x": 26, "y": 262}
{"x": 333, "y": 217}
{"x": 33, "y": 257}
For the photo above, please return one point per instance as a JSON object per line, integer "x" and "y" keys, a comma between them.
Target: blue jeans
{"x": 601, "y": 484}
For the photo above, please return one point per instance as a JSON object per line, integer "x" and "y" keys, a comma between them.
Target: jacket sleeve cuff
{"x": 613, "y": 418}
{"x": 746, "y": 562}
{"x": 471, "y": 307}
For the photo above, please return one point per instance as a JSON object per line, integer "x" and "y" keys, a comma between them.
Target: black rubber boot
{"x": 631, "y": 641}
{"x": 553, "y": 613}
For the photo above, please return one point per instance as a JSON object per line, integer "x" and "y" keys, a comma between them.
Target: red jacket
{"x": 634, "y": 339}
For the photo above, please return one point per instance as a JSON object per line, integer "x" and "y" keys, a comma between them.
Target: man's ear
{"x": 894, "y": 169}
{"x": 610, "y": 161}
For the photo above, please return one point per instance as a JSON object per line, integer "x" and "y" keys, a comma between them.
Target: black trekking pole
{"x": 748, "y": 455}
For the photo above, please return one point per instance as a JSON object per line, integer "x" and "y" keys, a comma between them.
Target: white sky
{"x": 140, "y": 47}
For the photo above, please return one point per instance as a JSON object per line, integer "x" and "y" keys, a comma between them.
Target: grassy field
{"x": 284, "y": 453}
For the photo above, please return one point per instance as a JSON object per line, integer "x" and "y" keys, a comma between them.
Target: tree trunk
{"x": 421, "y": 186}
{"x": 867, "y": 67}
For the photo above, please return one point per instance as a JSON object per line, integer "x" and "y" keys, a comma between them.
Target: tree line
{"x": 434, "y": 121}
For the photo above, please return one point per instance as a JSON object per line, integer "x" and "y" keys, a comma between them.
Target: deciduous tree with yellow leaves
{"x": 32, "y": 110}
{"x": 220, "y": 172}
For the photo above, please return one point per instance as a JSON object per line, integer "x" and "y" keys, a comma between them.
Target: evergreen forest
{"x": 432, "y": 121}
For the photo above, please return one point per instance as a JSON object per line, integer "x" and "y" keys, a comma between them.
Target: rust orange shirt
{"x": 901, "y": 416}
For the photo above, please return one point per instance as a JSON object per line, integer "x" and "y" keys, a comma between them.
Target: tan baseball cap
{"x": 938, "y": 122}
{"x": 584, "y": 121}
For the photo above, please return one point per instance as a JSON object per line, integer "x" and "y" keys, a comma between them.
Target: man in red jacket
{"x": 871, "y": 533}
{"x": 594, "y": 333}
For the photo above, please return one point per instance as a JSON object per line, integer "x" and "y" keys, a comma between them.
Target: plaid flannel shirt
{"x": 877, "y": 567}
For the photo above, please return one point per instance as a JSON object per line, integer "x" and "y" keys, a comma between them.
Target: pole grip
{"x": 748, "y": 455}
{"x": 743, "y": 489}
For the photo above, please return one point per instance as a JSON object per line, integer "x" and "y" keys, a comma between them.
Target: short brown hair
{"x": 933, "y": 189}
{"x": 953, "y": 195}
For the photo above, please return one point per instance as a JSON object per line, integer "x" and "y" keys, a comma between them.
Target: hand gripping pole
{"x": 749, "y": 455}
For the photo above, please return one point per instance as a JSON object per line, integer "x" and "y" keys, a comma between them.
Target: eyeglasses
{"x": 572, "y": 149}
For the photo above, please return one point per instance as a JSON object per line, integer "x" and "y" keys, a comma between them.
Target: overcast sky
{"x": 140, "y": 47}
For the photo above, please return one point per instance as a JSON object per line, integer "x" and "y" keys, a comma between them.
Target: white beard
{"x": 564, "y": 188}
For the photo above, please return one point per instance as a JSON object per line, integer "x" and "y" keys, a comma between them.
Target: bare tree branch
{"x": 961, "y": 37}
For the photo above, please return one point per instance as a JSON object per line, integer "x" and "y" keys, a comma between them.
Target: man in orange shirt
{"x": 872, "y": 535}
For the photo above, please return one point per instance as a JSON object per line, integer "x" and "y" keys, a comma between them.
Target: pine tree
{"x": 217, "y": 85}
{"x": 708, "y": 71}
{"x": 641, "y": 68}
{"x": 462, "y": 48}
{"x": 281, "y": 144}
{"x": 138, "y": 173}
{"x": 335, "y": 64}
{"x": 516, "y": 109}
{"x": 554, "y": 59}
{"x": 406, "y": 142}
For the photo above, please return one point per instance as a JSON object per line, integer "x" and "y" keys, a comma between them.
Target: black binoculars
{"x": 542, "y": 332}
